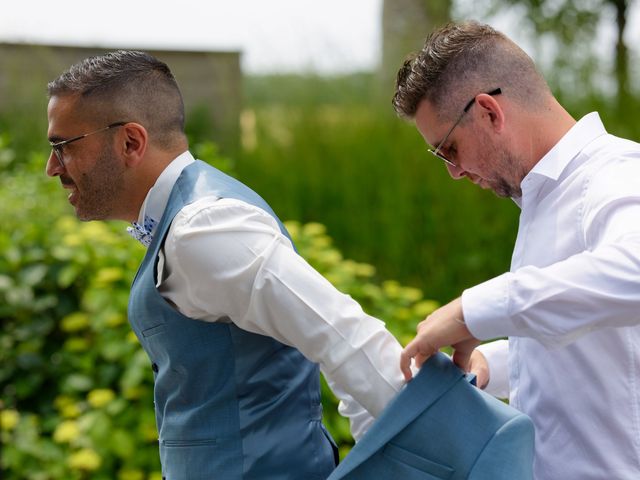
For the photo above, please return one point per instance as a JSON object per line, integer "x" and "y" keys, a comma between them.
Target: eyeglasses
{"x": 468, "y": 106}
{"x": 57, "y": 146}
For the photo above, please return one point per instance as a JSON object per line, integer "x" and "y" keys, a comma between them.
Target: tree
{"x": 405, "y": 25}
{"x": 574, "y": 25}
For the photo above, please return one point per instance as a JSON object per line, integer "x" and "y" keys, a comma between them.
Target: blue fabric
{"x": 441, "y": 427}
{"x": 229, "y": 404}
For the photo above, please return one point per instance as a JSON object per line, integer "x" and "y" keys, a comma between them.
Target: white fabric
{"x": 571, "y": 307}
{"x": 497, "y": 356}
{"x": 224, "y": 258}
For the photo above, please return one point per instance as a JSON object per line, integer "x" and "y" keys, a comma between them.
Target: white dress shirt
{"x": 571, "y": 308}
{"x": 224, "y": 258}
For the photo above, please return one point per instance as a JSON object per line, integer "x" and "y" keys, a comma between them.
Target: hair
{"x": 461, "y": 60}
{"x": 129, "y": 86}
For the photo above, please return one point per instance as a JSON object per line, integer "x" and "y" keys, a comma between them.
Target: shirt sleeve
{"x": 497, "y": 356}
{"x": 596, "y": 288}
{"x": 226, "y": 258}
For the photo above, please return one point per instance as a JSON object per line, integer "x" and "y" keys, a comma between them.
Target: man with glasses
{"x": 234, "y": 322}
{"x": 570, "y": 306}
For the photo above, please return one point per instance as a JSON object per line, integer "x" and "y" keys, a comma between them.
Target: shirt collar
{"x": 570, "y": 145}
{"x": 556, "y": 160}
{"x": 156, "y": 200}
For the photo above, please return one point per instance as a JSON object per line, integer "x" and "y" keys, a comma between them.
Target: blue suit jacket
{"x": 442, "y": 427}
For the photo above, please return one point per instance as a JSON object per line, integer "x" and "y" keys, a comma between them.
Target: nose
{"x": 53, "y": 168}
{"x": 456, "y": 172}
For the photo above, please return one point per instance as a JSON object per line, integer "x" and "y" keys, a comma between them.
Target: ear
{"x": 134, "y": 143}
{"x": 491, "y": 109}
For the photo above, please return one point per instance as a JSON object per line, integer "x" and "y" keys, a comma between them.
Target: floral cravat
{"x": 143, "y": 233}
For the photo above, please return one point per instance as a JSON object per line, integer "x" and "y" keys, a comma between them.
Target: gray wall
{"x": 210, "y": 83}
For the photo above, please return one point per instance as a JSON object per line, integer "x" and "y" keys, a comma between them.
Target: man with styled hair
{"x": 234, "y": 322}
{"x": 570, "y": 304}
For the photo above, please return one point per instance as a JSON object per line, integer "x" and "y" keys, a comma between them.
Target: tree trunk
{"x": 405, "y": 25}
{"x": 622, "y": 54}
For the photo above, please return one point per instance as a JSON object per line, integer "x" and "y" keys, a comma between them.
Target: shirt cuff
{"x": 485, "y": 308}
{"x": 497, "y": 356}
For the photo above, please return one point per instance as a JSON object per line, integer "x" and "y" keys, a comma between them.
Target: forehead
{"x": 63, "y": 114}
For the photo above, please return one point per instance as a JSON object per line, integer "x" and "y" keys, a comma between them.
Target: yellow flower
{"x": 131, "y": 337}
{"x": 66, "y": 432}
{"x": 391, "y": 288}
{"x": 72, "y": 240}
{"x": 9, "y": 419}
{"x": 365, "y": 270}
{"x": 321, "y": 242}
{"x": 115, "y": 320}
{"x": 70, "y": 411}
{"x": 425, "y": 307}
{"x": 62, "y": 401}
{"x": 293, "y": 228}
{"x": 312, "y": 229}
{"x": 149, "y": 432}
{"x": 76, "y": 344}
{"x": 100, "y": 397}
{"x": 330, "y": 257}
{"x": 109, "y": 275}
{"x": 67, "y": 223}
{"x": 130, "y": 475}
{"x": 94, "y": 231}
{"x": 412, "y": 294}
{"x": 85, "y": 459}
{"x": 75, "y": 321}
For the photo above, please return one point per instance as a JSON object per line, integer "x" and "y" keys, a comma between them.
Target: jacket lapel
{"x": 433, "y": 380}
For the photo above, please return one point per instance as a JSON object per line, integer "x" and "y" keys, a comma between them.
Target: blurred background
{"x": 293, "y": 98}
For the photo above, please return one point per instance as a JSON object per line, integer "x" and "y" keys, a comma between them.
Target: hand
{"x": 479, "y": 366}
{"x": 443, "y": 327}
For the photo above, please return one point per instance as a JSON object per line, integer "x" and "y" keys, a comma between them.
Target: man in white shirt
{"x": 570, "y": 305}
{"x": 241, "y": 320}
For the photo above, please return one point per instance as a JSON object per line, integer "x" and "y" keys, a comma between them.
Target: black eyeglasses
{"x": 57, "y": 146}
{"x": 436, "y": 152}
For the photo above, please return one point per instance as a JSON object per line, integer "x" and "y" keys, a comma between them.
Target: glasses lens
{"x": 58, "y": 152}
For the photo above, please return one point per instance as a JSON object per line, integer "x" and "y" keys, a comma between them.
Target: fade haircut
{"x": 461, "y": 60}
{"x": 127, "y": 86}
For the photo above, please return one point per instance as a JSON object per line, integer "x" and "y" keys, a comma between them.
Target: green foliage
{"x": 367, "y": 176}
{"x": 76, "y": 387}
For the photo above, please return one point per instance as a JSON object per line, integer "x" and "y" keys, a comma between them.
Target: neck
{"x": 143, "y": 178}
{"x": 545, "y": 130}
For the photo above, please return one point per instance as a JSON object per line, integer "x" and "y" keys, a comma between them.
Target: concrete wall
{"x": 210, "y": 84}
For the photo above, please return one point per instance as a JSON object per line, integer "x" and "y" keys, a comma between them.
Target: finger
{"x": 420, "y": 359}
{"x": 461, "y": 359}
{"x": 405, "y": 360}
{"x": 422, "y": 324}
{"x": 462, "y": 353}
{"x": 480, "y": 368}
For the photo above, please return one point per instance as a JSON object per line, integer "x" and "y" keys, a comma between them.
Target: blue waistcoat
{"x": 229, "y": 404}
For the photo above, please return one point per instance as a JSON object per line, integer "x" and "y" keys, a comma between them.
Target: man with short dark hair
{"x": 233, "y": 320}
{"x": 571, "y": 303}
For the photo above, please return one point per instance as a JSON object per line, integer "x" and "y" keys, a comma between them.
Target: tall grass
{"x": 330, "y": 150}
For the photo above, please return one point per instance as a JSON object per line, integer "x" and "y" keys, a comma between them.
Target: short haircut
{"x": 129, "y": 86}
{"x": 461, "y": 60}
